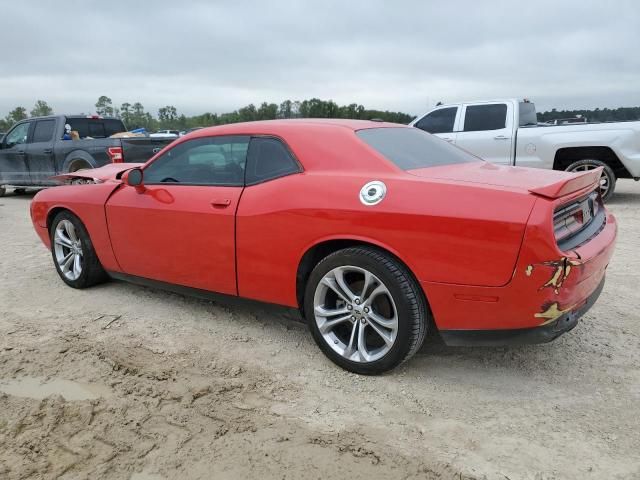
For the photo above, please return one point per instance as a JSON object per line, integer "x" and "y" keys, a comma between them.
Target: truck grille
{"x": 577, "y": 222}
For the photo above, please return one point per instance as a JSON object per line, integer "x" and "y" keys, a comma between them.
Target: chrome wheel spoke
{"x": 338, "y": 274}
{"x": 61, "y": 239}
{"x": 379, "y": 290}
{"x": 77, "y": 266}
{"x": 332, "y": 284}
{"x": 385, "y": 335}
{"x": 362, "y": 344}
{"x": 66, "y": 261}
{"x": 71, "y": 231}
{"x": 352, "y": 345}
{"x": 390, "y": 323}
{"x": 321, "y": 311}
{"x": 328, "y": 325}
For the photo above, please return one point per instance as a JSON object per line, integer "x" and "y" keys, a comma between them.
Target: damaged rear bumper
{"x": 521, "y": 336}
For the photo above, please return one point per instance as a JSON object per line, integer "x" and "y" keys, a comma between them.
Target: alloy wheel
{"x": 68, "y": 250}
{"x": 355, "y": 314}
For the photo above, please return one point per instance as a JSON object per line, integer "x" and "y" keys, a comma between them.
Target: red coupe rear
{"x": 376, "y": 232}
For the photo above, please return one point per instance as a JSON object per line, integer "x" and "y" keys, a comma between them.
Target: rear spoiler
{"x": 573, "y": 183}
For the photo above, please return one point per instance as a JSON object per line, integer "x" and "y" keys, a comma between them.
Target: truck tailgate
{"x": 141, "y": 149}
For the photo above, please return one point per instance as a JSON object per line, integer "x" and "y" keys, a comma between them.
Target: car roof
{"x": 279, "y": 126}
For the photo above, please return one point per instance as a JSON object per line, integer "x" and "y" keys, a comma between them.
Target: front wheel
{"x": 608, "y": 179}
{"x": 73, "y": 255}
{"x": 366, "y": 311}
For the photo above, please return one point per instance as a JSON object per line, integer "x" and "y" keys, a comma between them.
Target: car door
{"x": 440, "y": 122}
{"x": 40, "y": 160}
{"x": 13, "y": 165}
{"x": 487, "y": 131}
{"x": 180, "y": 228}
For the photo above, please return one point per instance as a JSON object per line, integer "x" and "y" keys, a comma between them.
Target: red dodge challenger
{"x": 376, "y": 232}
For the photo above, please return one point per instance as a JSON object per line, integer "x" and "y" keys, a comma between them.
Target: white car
{"x": 165, "y": 134}
{"x": 507, "y": 132}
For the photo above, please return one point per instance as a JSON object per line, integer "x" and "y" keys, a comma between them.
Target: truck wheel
{"x": 3, "y": 190}
{"x": 78, "y": 165}
{"x": 365, "y": 310}
{"x": 19, "y": 191}
{"x": 607, "y": 181}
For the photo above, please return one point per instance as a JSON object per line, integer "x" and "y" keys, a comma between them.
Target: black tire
{"x": 19, "y": 191}
{"x": 608, "y": 174}
{"x": 3, "y": 190}
{"x": 412, "y": 311}
{"x": 78, "y": 165}
{"x": 92, "y": 272}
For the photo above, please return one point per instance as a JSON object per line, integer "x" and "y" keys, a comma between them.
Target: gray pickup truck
{"x": 36, "y": 149}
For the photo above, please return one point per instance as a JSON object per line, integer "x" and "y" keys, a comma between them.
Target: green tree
{"x": 15, "y": 115}
{"x": 167, "y": 116}
{"x": 104, "y": 106}
{"x": 41, "y": 109}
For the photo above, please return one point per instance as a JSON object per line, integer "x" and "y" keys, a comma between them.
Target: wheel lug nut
{"x": 362, "y": 320}
{"x": 353, "y": 317}
{"x": 366, "y": 309}
{"x": 357, "y": 301}
{"x": 349, "y": 307}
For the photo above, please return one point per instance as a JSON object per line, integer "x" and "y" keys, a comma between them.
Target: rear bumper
{"x": 521, "y": 336}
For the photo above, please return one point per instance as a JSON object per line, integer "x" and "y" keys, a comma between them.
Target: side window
{"x": 80, "y": 125}
{"x": 485, "y": 117}
{"x": 43, "y": 131}
{"x": 202, "y": 161}
{"x": 438, "y": 121}
{"x": 96, "y": 129}
{"x": 18, "y": 135}
{"x": 268, "y": 158}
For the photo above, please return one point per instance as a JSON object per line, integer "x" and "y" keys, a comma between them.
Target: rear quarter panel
{"x": 444, "y": 232}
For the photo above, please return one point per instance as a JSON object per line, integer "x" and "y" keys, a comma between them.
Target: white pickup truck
{"x": 507, "y": 132}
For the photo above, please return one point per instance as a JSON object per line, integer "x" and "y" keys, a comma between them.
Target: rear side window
{"x": 485, "y": 117}
{"x": 96, "y": 127}
{"x": 43, "y": 131}
{"x": 438, "y": 121}
{"x": 411, "y": 148}
{"x": 268, "y": 158}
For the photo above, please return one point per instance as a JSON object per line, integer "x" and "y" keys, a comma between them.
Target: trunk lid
{"x": 546, "y": 183}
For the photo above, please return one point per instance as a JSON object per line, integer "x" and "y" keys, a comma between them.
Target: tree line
{"x": 134, "y": 115}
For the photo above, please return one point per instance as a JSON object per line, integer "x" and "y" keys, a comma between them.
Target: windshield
{"x": 411, "y": 148}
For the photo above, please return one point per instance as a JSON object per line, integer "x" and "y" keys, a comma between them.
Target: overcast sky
{"x": 402, "y": 55}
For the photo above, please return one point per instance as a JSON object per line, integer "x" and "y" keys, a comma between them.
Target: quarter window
{"x": 485, "y": 117}
{"x": 438, "y": 121}
{"x": 268, "y": 158}
{"x": 43, "y": 131}
{"x": 202, "y": 161}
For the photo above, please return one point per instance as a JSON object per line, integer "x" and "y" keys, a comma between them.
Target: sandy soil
{"x": 121, "y": 381}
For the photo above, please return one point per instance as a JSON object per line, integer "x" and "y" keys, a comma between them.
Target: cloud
{"x": 219, "y": 56}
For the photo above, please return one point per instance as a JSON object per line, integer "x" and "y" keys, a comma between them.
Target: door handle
{"x": 48, "y": 150}
{"x": 221, "y": 202}
{"x": 501, "y": 137}
{"x": 20, "y": 152}
{"x": 447, "y": 139}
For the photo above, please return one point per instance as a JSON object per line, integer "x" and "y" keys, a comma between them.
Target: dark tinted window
{"x": 485, "y": 117}
{"x": 438, "y": 121}
{"x": 202, "y": 161}
{"x": 412, "y": 148}
{"x": 268, "y": 158}
{"x": 528, "y": 114}
{"x": 96, "y": 127}
{"x": 43, "y": 131}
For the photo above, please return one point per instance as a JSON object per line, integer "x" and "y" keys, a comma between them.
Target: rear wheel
{"x": 365, "y": 310}
{"x": 3, "y": 190}
{"x": 73, "y": 254}
{"x": 608, "y": 179}
{"x": 19, "y": 191}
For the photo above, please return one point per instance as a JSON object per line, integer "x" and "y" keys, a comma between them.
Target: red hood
{"x": 106, "y": 173}
{"x": 547, "y": 183}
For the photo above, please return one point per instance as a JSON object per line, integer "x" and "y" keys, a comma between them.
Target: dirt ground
{"x": 121, "y": 381}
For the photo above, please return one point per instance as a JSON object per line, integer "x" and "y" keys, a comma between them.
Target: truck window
{"x": 485, "y": 117}
{"x": 43, "y": 131}
{"x": 18, "y": 135}
{"x": 438, "y": 121}
{"x": 527, "y": 115}
{"x": 96, "y": 127}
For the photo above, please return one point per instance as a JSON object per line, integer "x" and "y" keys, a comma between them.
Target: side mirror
{"x": 134, "y": 178}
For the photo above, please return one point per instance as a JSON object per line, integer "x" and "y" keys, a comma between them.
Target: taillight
{"x": 115, "y": 154}
{"x": 574, "y": 217}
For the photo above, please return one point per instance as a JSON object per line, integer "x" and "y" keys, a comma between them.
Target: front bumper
{"x": 521, "y": 336}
